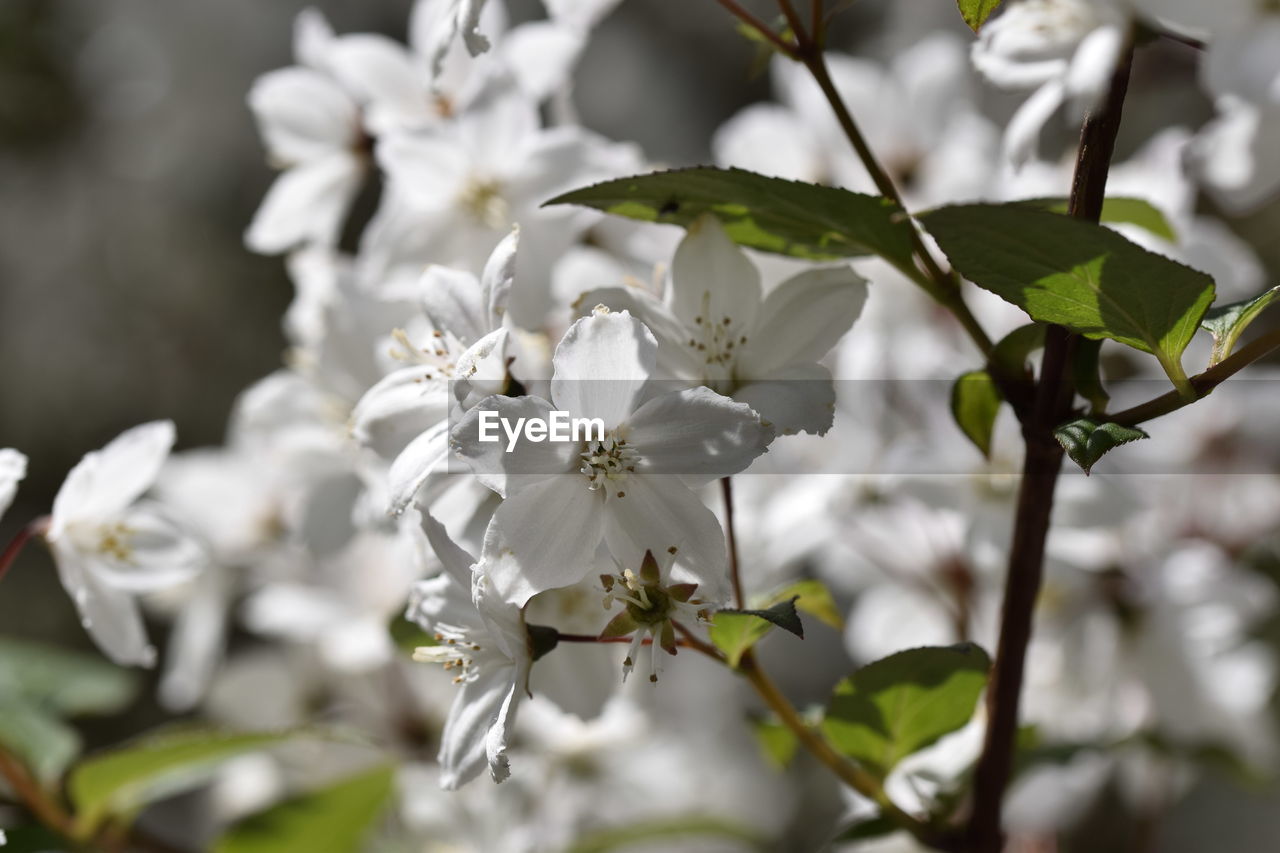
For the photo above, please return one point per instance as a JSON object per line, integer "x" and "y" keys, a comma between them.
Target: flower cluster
{"x": 354, "y": 490}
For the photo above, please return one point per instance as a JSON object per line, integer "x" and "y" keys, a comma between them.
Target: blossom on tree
{"x": 110, "y": 546}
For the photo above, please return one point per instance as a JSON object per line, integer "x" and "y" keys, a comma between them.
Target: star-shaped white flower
{"x": 715, "y": 328}
{"x": 485, "y": 643}
{"x": 110, "y": 546}
{"x": 404, "y": 417}
{"x": 630, "y": 490}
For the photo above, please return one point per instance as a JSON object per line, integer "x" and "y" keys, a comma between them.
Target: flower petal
{"x": 424, "y": 456}
{"x": 661, "y": 512}
{"x": 13, "y": 469}
{"x": 1023, "y": 132}
{"x": 797, "y": 398}
{"x": 303, "y": 115}
{"x": 463, "y": 743}
{"x": 108, "y": 480}
{"x": 674, "y": 356}
{"x": 306, "y": 204}
{"x": 111, "y": 617}
{"x": 712, "y": 279}
{"x": 696, "y": 434}
{"x": 380, "y": 74}
{"x": 158, "y": 553}
{"x": 502, "y": 466}
{"x": 398, "y": 409}
{"x": 601, "y": 365}
{"x": 802, "y": 319}
{"x": 543, "y": 538}
{"x": 454, "y": 302}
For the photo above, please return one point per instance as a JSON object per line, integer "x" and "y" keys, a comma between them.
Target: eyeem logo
{"x": 558, "y": 427}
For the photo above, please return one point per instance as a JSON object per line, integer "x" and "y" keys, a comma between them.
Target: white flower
{"x": 311, "y": 127}
{"x": 13, "y": 468}
{"x": 1066, "y": 49}
{"x": 456, "y": 191}
{"x": 716, "y": 329}
{"x": 404, "y": 416}
{"x": 918, "y": 114}
{"x": 485, "y": 643}
{"x": 110, "y": 547}
{"x": 631, "y": 490}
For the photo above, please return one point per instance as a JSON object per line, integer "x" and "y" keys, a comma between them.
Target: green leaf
{"x": 122, "y": 780}
{"x": 975, "y": 402}
{"x": 408, "y": 635}
{"x": 619, "y": 838}
{"x": 812, "y": 597}
{"x": 777, "y": 742}
{"x": 33, "y": 839}
{"x": 976, "y": 12}
{"x": 770, "y": 214}
{"x": 1087, "y": 372}
{"x": 1116, "y": 211}
{"x": 1086, "y": 441}
{"x": 44, "y": 744}
{"x": 65, "y": 683}
{"x": 331, "y": 820}
{"x": 1014, "y": 349}
{"x": 867, "y": 829}
{"x": 735, "y": 631}
{"x": 1079, "y": 275}
{"x": 1227, "y": 322}
{"x": 900, "y": 704}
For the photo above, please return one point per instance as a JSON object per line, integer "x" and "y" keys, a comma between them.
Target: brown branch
{"x": 759, "y": 26}
{"x": 34, "y": 798}
{"x": 731, "y": 538}
{"x": 1202, "y": 383}
{"x": 1036, "y": 492}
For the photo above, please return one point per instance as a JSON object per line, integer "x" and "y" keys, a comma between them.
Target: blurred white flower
{"x": 13, "y": 468}
{"x": 1066, "y": 50}
{"x": 458, "y": 350}
{"x": 632, "y": 490}
{"x": 111, "y": 547}
{"x": 311, "y": 127}
{"x": 485, "y": 643}
{"x": 716, "y": 329}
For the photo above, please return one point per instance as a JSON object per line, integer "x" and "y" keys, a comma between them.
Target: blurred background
{"x": 130, "y": 167}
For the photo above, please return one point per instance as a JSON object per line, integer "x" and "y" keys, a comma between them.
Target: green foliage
{"x": 866, "y": 829}
{"x": 1227, "y": 322}
{"x": 777, "y": 742}
{"x": 1128, "y": 211}
{"x": 1086, "y": 441}
{"x": 771, "y": 214}
{"x": 976, "y": 12}
{"x": 975, "y": 402}
{"x": 668, "y": 829}
{"x": 736, "y": 631}
{"x": 334, "y": 819}
{"x": 120, "y": 781}
{"x": 1079, "y": 275}
{"x": 1086, "y": 370}
{"x": 61, "y": 682}
{"x": 812, "y": 597}
{"x": 44, "y": 744}
{"x": 901, "y": 704}
{"x": 1013, "y": 350}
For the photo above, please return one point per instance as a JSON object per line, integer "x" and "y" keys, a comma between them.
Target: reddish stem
{"x": 35, "y": 528}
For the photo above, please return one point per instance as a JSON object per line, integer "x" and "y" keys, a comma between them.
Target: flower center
{"x": 482, "y": 199}
{"x": 607, "y": 464}
{"x": 114, "y": 541}
{"x": 454, "y": 651}
{"x": 714, "y": 340}
{"x": 439, "y": 355}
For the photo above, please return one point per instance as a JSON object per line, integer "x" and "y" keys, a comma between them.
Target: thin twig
{"x": 759, "y": 26}
{"x": 41, "y": 805}
{"x": 731, "y": 537}
{"x": 20, "y": 539}
{"x": 1202, "y": 383}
